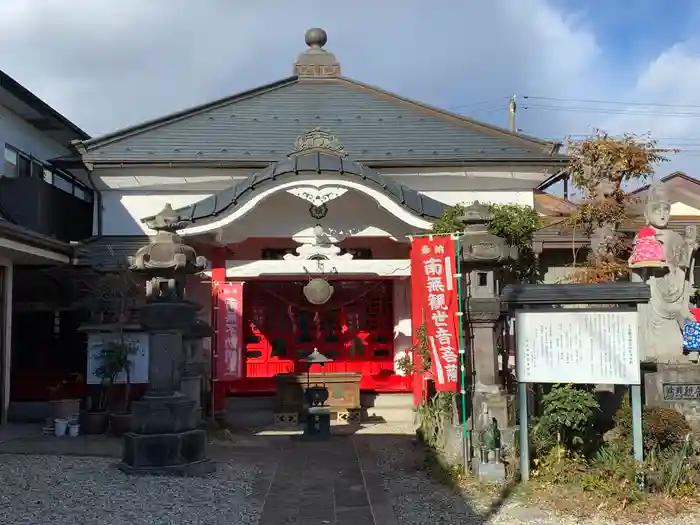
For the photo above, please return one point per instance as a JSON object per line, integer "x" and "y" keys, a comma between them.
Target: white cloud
{"x": 111, "y": 63}
{"x": 673, "y": 78}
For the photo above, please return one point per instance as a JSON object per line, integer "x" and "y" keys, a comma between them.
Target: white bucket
{"x": 73, "y": 429}
{"x": 59, "y": 427}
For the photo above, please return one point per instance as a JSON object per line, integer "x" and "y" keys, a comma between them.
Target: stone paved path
{"x": 334, "y": 482}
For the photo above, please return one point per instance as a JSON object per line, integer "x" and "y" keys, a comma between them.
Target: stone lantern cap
{"x": 479, "y": 246}
{"x": 476, "y": 214}
{"x": 316, "y": 358}
{"x": 167, "y": 253}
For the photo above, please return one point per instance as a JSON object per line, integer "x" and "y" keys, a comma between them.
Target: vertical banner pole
{"x": 462, "y": 357}
{"x": 524, "y": 434}
{"x": 523, "y": 420}
{"x": 637, "y": 437}
{"x": 218, "y": 275}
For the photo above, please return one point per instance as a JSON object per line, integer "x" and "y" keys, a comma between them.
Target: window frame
{"x": 44, "y": 171}
{"x": 6, "y": 161}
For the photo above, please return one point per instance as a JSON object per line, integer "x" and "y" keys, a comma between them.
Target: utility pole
{"x": 512, "y": 106}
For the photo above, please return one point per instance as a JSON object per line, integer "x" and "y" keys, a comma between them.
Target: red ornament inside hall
{"x": 355, "y": 328}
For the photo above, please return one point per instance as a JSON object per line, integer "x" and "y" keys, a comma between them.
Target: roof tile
{"x": 372, "y": 125}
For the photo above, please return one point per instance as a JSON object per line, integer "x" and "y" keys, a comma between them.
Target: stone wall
{"x": 675, "y": 386}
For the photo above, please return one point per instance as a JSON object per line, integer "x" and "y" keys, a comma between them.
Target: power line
{"x": 613, "y": 111}
{"x": 614, "y": 102}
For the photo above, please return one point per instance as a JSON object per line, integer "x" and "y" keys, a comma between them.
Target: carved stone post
{"x": 191, "y": 378}
{"x": 166, "y": 435}
{"x": 483, "y": 256}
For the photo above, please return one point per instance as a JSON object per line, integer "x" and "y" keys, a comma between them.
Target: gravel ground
{"x": 420, "y": 500}
{"x": 58, "y": 490}
{"x": 38, "y": 490}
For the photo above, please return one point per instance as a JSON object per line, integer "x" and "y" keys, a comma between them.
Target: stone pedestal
{"x": 166, "y": 436}
{"x": 675, "y": 386}
{"x": 489, "y": 472}
{"x": 317, "y": 426}
{"x": 191, "y": 386}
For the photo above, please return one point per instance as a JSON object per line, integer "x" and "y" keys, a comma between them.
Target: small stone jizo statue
{"x": 491, "y": 442}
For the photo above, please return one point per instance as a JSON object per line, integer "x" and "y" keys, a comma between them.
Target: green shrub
{"x": 569, "y": 415}
{"x": 559, "y": 466}
{"x": 663, "y": 428}
{"x": 674, "y": 471}
{"x": 613, "y": 475}
{"x": 433, "y": 416}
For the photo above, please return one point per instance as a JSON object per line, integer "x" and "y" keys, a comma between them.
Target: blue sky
{"x": 113, "y": 63}
{"x": 634, "y": 29}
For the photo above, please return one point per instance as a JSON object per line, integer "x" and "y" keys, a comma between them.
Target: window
{"x": 18, "y": 163}
{"x": 86, "y": 194}
{"x": 482, "y": 279}
{"x": 11, "y": 160}
{"x": 62, "y": 184}
{"x": 37, "y": 170}
{"x": 79, "y": 192}
{"x": 24, "y": 166}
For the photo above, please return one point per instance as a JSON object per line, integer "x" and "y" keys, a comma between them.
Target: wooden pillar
{"x": 6, "y": 343}
{"x": 218, "y": 275}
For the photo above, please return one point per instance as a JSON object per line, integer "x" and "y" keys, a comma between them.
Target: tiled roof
{"x": 306, "y": 164}
{"x": 550, "y": 205}
{"x": 22, "y": 234}
{"x": 374, "y": 126}
{"x": 109, "y": 252}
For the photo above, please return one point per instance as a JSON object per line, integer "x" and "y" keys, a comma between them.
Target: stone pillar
{"x": 191, "y": 378}
{"x": 483, "y": 256}
{"x": 483, "y": 316}
{"x": 166, "y": 435}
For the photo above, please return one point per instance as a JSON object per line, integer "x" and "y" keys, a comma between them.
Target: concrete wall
{"x": 26, "y": 138}
{"x": 557, "y": 265}
{"x": 129, "y": 195}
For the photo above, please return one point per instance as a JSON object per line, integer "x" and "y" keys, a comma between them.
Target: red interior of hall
{"x": 355, "y": 328}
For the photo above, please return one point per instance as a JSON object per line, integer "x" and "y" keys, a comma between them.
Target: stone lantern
{"x": 483, "y": 256}
{"x": 166, "y": 436}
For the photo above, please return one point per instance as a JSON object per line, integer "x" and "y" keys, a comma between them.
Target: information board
{"x": 582, "y": 346}
{"x": 139, "y": 361}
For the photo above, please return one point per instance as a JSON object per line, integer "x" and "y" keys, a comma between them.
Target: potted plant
{"x": 115, "y": 358}
{"x": 63, "y": 405}
{"x": 96, "y": 419}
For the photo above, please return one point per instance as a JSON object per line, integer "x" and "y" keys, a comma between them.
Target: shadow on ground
{"x": 364, "y": 475}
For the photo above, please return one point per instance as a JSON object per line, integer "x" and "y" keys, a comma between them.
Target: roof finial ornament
{"x": 316, "y": 37}
{"x": 316, "y": 62}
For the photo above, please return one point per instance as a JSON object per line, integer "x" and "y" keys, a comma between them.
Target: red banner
{"x": 229, "y": 331}
{"x": 434, "y": 288}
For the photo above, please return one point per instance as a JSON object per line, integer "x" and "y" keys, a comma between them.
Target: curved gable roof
{"x": 209, "y": 209}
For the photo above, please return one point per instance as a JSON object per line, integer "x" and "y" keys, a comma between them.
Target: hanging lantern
{"x": 318, "y": 291}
